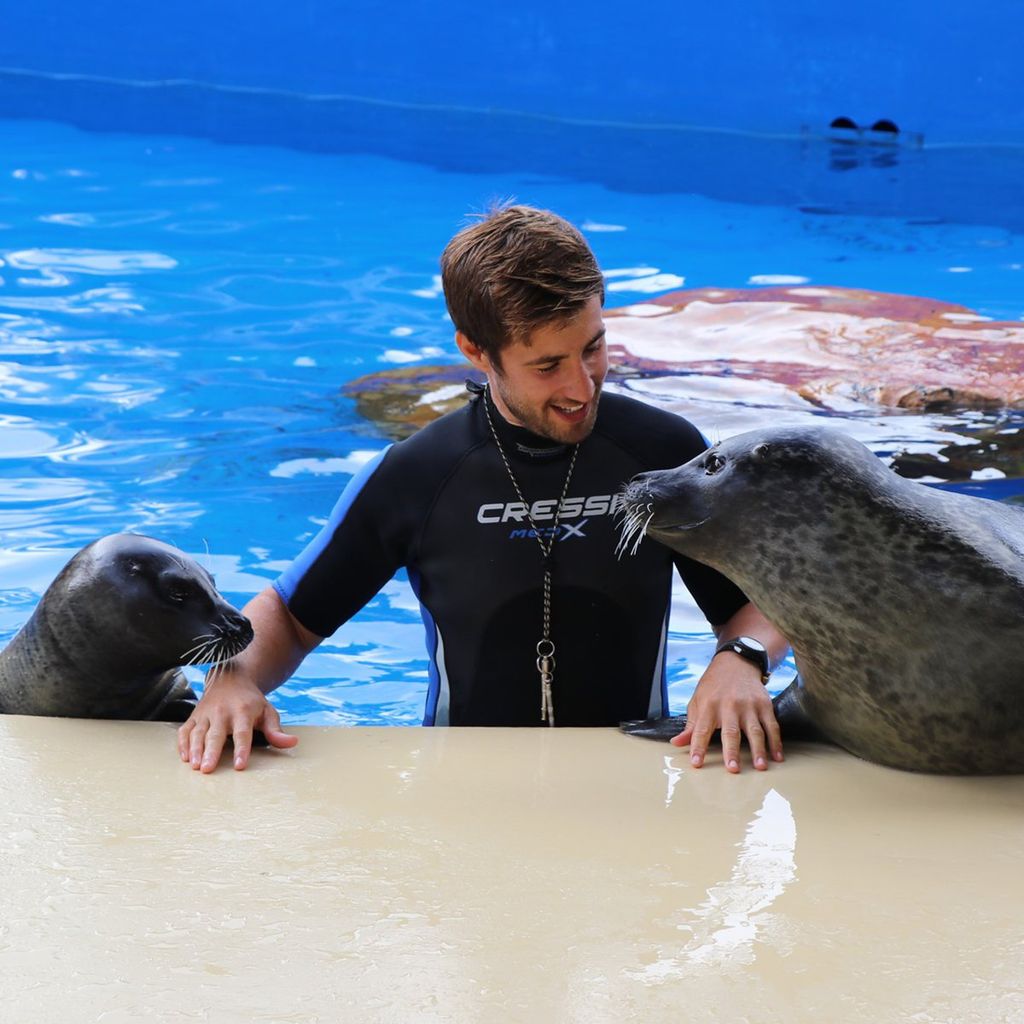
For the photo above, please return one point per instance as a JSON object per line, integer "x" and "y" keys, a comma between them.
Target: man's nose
{"x": 581, "y": 385}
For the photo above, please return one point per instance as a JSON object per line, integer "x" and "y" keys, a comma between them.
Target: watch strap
{"x": 757, "y": 656}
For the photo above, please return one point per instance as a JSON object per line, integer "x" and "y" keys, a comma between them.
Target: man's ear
{"x": 476, "y": 355}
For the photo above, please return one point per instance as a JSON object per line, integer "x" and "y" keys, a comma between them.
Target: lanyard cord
{"x": 545, "y": 646}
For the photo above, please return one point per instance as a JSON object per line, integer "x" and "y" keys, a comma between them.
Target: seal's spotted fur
{"x": 904, "y": 604}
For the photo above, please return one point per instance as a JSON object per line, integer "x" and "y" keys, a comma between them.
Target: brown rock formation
{"x": 873, "y": 348}
{"x": 833, "y": 346}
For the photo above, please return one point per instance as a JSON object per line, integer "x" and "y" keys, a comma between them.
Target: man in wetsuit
{"x": 503, "y": 512}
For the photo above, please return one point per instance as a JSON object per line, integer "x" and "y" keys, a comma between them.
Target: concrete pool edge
{"x": 429, "y": 874}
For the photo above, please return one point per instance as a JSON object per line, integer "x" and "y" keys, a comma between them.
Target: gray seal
{"x": 109, "y": 635}
{"x": 904, "y": 604}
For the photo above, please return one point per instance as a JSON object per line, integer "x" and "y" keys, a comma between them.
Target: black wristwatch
{"x": 752, "y": 650}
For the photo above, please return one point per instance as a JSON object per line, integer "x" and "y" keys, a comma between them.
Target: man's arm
{"x": 730, "y": 696}
{"x": 234, "y": 701}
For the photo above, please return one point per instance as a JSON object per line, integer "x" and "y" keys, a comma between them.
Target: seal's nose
{"x": 638, "y": 490}
{"x": 237, "y": 627}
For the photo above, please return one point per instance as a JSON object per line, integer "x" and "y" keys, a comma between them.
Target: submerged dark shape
{"x": 111, "y": 632}
{"x": 904, "y": 604}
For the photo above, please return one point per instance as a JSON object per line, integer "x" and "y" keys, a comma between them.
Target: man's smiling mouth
{"x": 574, "y": 409}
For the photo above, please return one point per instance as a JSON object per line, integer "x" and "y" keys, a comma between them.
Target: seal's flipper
{"x": 177, "y": 700}
{"x": 177, "y": 711}
{"x": 655, "y": 728}
{"x": 792, "y": 715}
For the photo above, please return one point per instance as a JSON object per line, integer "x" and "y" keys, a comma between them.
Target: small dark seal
{"x": 112, "y": 630}
{"x": 904, "y": 603}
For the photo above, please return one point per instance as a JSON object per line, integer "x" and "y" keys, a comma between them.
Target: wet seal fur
{"x": 904, "y": 604}
{"x": 109, "y": 635}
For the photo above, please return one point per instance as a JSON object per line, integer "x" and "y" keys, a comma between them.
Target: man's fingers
{"x": 242, "y": 739}
{"x": 765, "y": 742}
{"x": 683, "y": 738}
{"x": 281, "y": 740}
{"x": 271, "y": 726}
{"x": 216, "y": 737}
{"x": 756, "y": 741}
{"x": 744, "y": 715}
{"x": 731, "y": 737}
{"x": 184, "y": 734}
{"x": 773, "y": 734}
{"x": 202, "y": 739}
{"x": 700, "y": 738}
{"x": 196, "y": 744}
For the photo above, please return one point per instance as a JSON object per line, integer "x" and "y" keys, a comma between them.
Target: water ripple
{"x": 90, "y": 261}
{"x": 22, "y": 438}
{"x": 178, "y": 369}
{"x": 119, "y": 301}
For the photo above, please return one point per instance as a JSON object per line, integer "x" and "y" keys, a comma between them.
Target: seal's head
{"x": 157, "y": 607}
{"x": 731, "y": 495}
{"x": 109, "y": 634}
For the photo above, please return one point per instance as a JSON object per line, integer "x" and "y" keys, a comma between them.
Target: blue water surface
{"x": 178, "y": 317}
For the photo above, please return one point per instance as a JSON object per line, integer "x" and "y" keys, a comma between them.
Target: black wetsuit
{"x": 441, "y": 504}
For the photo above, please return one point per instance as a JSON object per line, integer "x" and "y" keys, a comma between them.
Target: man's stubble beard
{"x": 548, "y": 427}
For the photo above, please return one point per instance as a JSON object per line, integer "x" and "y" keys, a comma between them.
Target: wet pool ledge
{"x": 507, "y": 875}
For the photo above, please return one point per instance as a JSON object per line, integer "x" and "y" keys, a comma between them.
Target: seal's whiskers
{"x": 212, "y": 674}
{"x": 204, "y": 641}
{"x": 201, "y": 657}
{"x": 211, "y": 648}
{"x": 642, "y": 532}
{"x": 628, "y": 526}
{"x": 634, "y": 529}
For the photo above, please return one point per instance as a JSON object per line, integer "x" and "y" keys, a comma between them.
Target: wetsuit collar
{"x": 517, "y": 439}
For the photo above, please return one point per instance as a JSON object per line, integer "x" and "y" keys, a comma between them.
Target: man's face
{"x": 551, "y": 384}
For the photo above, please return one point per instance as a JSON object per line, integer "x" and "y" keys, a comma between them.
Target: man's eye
{"x": 546, "y": 369}
{"x": 713, "y": 463}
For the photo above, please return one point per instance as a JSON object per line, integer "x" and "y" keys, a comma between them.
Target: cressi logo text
{"x": 569, "y": 525}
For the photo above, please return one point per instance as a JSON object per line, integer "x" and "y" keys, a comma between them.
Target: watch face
{"x": 754, "y": 644}
{"x": 750, "y": 649}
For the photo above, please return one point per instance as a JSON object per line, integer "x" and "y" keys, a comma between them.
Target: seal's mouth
{"x": 221, "y": 644}
{"x": 640, "y": 512}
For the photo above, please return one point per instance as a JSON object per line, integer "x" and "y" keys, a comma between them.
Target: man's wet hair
{"x": 513, "y": 270}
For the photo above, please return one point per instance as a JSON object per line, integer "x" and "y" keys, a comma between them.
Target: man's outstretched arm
{"x": 234, "y": 702}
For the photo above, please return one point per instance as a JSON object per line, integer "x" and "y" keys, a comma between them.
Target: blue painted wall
{"x": 949, "y": 70}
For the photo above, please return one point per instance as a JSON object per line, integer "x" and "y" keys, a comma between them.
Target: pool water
{"x": 178, "y": 318}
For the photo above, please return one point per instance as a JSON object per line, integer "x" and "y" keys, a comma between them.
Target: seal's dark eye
{"x": 179, "y": 591}
{"x": 713, "y": 463}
